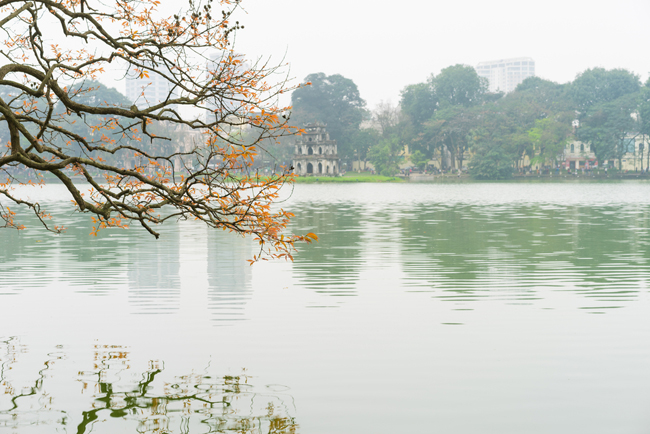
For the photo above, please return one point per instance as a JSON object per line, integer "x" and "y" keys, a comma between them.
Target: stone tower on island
{"x": 316, "y": 154}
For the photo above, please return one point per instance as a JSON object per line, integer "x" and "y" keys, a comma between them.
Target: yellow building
{"x": 578, "y": 155}
{"x": 637, "y": 150}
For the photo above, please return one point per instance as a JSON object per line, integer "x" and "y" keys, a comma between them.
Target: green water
{"x": 457, "y": 308}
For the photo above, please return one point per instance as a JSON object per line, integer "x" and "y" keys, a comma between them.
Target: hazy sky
{"x": 384, "y": 46}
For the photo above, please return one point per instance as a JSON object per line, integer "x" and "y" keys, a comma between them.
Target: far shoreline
{"x": 352, "y": 177}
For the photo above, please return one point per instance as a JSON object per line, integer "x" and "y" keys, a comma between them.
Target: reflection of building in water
{"x": 153, "y": 273}
{"x": 315, "y": 152}
{"x": 229, "y": 275}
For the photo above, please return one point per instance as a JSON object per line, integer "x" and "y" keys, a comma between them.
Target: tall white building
{"x": 146, "y": 91}
{"x": 505, "y": 74}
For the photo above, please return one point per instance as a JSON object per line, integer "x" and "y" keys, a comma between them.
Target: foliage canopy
{"x": 62, "y": 123}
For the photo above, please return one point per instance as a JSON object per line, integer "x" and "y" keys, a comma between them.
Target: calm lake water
{"x": 435, "y": 308}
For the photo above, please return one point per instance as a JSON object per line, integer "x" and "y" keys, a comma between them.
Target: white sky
{"x": 384, "y": 46}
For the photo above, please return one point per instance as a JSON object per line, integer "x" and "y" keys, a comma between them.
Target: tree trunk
{"x": 641, "y": 159}
{"x": 452, "y": 153}
{"x": 14, "y": 135}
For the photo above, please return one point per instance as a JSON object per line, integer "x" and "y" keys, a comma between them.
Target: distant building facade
{"x": 579, "y": 155}
{"x": 146, "y": 91}
{"x": 504, "y": 75}
{"x": 633, "y": 152}
{"x": 315, "y": 153}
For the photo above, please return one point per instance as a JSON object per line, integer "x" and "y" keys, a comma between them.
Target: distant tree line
{"x": 443, "y": 120}
{"x": 452, "y": 115}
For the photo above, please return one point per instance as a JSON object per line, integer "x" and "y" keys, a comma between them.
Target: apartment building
{"x": 505, "y": 74}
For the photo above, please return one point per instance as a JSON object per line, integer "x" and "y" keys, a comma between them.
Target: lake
{"x": 447, "y": 308}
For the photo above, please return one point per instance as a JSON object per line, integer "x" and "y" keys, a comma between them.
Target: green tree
{"x": 438, "y": 112}
{"x": 418, "y": 159}
{"x": 494, "y": 150}
{"x": 418, "y": 102}
{"x": 605, "y": 127}
{"x": 598, "y": 85}
{"x": 459, "y": 85}
{"x": 539, "y": 85}
{"x": 605, "y": 101}
{"x": 546, "y": 97}
{"x": 549, "y": 137}
{"x": 490, "y": 161}
{"x": 644, "y": 121}
{"x": 507, "y": 121}
{"x": 384, "y": 156}
{"x": 334, "y": 100}
{"x": 450, "y": 128}
{"x": 545, "y": 113}
{"x": 362, "y": 141}
{"x": 532, "y": 101}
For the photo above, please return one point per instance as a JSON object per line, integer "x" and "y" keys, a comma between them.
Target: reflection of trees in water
{"x": 229, "y": 275}
{"x": 331, "y": 265}
{"x": 146, "y": 404}
{"x": 466, "y": 251}
{"x": 34, "y": 257}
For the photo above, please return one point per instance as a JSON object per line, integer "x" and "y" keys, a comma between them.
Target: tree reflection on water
{"x": 331, "y": 266}
{"x": 151, "y": 402}
{"x": 465, "y": 253}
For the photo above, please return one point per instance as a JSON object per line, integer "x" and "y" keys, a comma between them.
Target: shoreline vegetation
{"x": 452, "y": 121}
{"x": 420, "y": 178}
{"x": 465, "y": 178}
{"x": 348, "y": 177}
